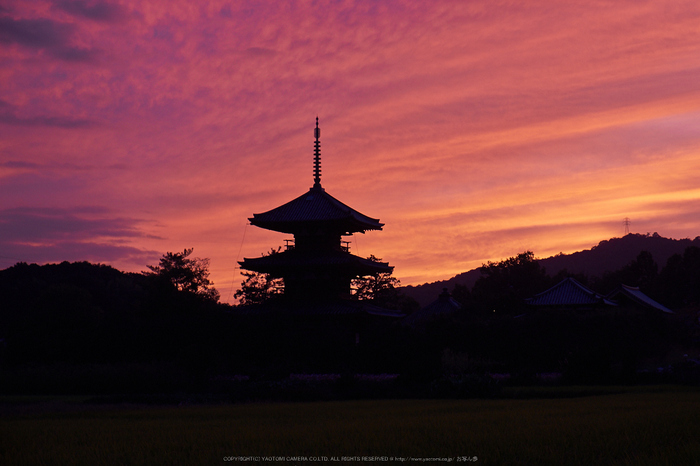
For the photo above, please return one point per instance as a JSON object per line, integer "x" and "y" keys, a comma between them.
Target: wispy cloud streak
{"x": 44, "y": 34}
{"x": 96, "y": 10}
{"x": 472, "y": 129}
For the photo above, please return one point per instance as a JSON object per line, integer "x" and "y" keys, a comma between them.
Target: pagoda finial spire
{"x": 317, "y": 156}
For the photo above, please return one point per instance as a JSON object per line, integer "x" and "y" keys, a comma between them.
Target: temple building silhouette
{"x": 317, "y": 267}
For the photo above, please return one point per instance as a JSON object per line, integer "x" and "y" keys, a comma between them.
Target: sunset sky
{"x": 473, "y": 130}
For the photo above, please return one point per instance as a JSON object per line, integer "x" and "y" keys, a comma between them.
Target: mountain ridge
{"x": 607, "y": 256}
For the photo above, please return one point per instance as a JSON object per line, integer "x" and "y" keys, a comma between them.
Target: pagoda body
{"x": 319, "y": 265}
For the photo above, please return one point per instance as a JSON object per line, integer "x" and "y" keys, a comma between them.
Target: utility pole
{"x": 626, "y": 222}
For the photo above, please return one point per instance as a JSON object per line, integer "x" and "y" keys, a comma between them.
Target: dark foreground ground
{"x": 539, "y": 426}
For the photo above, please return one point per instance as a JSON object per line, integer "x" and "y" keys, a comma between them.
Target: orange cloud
{"x": 473, "y": 130}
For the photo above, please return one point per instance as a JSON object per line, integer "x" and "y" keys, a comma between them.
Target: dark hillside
{"x": 615, "y": 253}
{"x": 84, "y": 313}
{"x": 429, "y": 292}
{"x": 607, "y": 256}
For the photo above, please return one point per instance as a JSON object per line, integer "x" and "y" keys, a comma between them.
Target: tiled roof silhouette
{"x": 568, "y": 292}
{"x": 279, "y": 262}
{"x": 443, "y": 306}
{"x": 316, "y": 206}
{"x": 635, "y": 295}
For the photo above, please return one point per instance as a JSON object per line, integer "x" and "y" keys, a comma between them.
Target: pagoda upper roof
{"x": 315, "y": 206}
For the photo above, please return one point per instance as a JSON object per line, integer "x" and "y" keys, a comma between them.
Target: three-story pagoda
{"x": 319, "y": 265}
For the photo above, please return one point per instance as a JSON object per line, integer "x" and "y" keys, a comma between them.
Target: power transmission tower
{"x": 626, "y": 222}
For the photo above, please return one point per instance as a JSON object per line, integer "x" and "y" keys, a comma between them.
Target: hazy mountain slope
{"x": 615, "y": 253}
{"x": 608, "y": 255}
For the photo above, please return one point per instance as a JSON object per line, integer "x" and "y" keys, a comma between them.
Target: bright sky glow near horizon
{"x": 473, "y": 130}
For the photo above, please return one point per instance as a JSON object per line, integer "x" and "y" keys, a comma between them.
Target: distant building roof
{"x": 315, "y": 206}
{"x": 443, "y": 306}
{"x": 568, "y": 293}
{"x": 636, "y": 296}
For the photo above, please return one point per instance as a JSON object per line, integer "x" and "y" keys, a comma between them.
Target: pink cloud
{"x": 100, "y": 11}
{"x": 472, "y": 129}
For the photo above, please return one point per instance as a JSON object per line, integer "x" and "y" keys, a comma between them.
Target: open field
{"x": 642, "y": 426}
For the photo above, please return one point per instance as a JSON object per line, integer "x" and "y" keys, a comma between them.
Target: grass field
{"x": 639, "y": 427}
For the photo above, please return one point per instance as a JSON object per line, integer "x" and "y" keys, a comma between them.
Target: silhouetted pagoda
{"x": 318, "y": 266}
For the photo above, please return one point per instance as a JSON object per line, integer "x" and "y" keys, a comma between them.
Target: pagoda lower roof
{"x": 315, "y": 207}
{"x": 292, "y": 260}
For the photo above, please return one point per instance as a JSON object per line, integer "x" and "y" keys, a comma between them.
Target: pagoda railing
{"x": 289, "y": 244}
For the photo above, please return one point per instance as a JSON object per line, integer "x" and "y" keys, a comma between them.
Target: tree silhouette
{"x": 382, "y": 289}
{"x": 678, "y": 281}
{"x": 186, "y": 274}
{"x": 375, "y": 286}
{"x": 504, "y": 285}
{"x": 259, "y": 287}
{"x": 641, "y": 272}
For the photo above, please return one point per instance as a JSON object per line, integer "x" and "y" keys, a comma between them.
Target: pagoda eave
{"x": 290, "y": 263}
{"x": 340, "y": 226}
{"x": 315, "y": 208}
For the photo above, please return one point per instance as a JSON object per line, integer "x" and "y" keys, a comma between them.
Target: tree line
{"x": 504, "y": 286}
{"x": 77, "y": 327}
